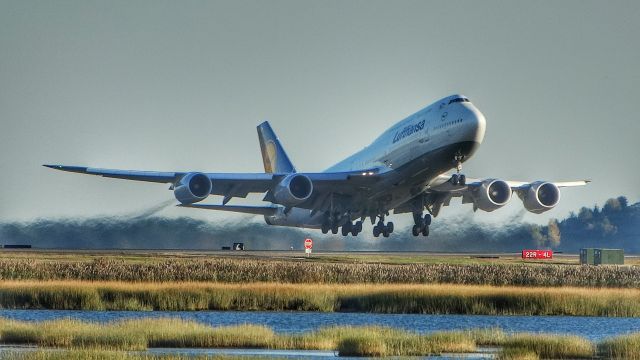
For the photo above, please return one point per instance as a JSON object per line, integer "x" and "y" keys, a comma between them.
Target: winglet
{"x": 274, "y": 157}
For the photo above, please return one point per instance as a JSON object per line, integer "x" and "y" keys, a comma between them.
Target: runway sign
{"x": 537, "y": 254}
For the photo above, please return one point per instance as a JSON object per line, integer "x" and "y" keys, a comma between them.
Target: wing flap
{"x": 256, "y": 210}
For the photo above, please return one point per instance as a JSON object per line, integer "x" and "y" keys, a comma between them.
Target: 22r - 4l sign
{"x": 537, "y": 254}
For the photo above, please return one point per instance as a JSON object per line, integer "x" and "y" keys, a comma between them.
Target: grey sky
{"x": 166, "y": 85}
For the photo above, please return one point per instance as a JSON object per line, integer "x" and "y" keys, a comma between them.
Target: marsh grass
{"x": 379, "y": 298}
{"x": 622, "y": 347}
{"x": 241, "y": 270}
{"x": 548, "y": 346}
{"x": 115, "y": 340}
{"x": 96, "y": 354}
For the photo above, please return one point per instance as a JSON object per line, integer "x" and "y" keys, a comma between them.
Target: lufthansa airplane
{"x": 404, "y": 170}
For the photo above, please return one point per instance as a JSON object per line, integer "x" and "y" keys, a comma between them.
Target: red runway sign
{"x": 308, "y": 243}
{"x": 537, "y": 254}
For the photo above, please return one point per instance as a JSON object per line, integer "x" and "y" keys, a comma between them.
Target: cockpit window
{"x": 458, "y": 100}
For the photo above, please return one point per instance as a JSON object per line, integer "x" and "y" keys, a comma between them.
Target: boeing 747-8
{"x": 404, "y": 170}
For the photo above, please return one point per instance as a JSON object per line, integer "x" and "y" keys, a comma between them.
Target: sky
{"x": 180, "y": 86}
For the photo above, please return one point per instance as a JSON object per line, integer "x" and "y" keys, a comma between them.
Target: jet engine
{"x": 192, "y": 188}
{"x": 293, "y": 190}
{"x": 492, "y": 194}
{"x": 540, "y": 197}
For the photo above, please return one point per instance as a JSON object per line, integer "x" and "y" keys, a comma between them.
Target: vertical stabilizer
{"x": 274, "y": 157}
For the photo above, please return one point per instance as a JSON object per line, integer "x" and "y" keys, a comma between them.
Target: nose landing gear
{"x": 457, "y": 178}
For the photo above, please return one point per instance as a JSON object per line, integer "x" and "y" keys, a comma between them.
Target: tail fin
{"x": 273, "y": 155}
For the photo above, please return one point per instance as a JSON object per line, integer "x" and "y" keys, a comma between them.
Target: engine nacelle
{"x": 540, "y": 197}
{"x": 192, "y": 188}
{"x": 293, "y": 190}
{"x": 492, "y": 194}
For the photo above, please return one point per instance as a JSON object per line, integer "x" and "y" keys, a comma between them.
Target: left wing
{"x": 488, "y": 194}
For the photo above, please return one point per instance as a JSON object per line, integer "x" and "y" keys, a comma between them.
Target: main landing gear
{"x": 421, "y": 224}
{"x": 381, "y": 228}
{"x": 353, "y": 228}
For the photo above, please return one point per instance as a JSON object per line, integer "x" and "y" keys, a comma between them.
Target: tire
{"x": 454, "y": 179}
{"x": 385, "y": 233}
{"x": 354, "y": 232}
{"x": 427, "y": 220}
{"x": 416, "y": 230}
{"x": 334, "y": 230}
{"x": 345, "y": 230}
{"x": 376, "y": 231}
{"x": 359, "y": 226}
{"x": 462, "y": 179}
{"x": 324, "y": 229}
{"x": 390, "y": 227}
{"x": 425, "y": 231}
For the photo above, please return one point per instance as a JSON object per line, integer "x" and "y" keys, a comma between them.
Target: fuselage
{"x": 409, "y": 155}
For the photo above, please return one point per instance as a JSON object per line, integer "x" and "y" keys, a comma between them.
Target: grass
{"x": 105, "y": 355}
{"x": 379, "y": 298}
{"x": 175, "y": 333}
{"x": 86, "y": 340}
{"x": 341, "y": 270}
{"x": 622, "y": 347}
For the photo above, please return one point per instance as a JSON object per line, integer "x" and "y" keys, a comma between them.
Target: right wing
{"x": 232, "y": 185}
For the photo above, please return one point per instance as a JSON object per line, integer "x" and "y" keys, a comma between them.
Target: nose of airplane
{"x": 476, "y": 124}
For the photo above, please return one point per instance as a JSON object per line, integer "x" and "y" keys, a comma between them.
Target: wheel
{"x": 345, "y": 230}
{"x": 325, "y": 229}
{"x": 385, "y": 233}
{"x": 454, "y": 179}
{"x": 334, "y": 230}
{"x": 427, "y": 219}
{"x": 354, "y": 231}
{"x": 416, "y": 230}
{"x": 462, "y": 179}
{"x": 359, "y": 226}
{"x": 425, "y": 231}
{"x": 376, "y": 231}
{"x": 389, "y": 227}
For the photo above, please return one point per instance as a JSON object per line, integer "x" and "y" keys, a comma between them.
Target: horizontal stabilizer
{"x": 257, "y": 210}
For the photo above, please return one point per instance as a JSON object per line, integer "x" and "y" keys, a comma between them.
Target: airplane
{"x": 404, "y": 170}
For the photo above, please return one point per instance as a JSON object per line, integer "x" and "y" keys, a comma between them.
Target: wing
{"x": 232, "y": 185}
{"x": 440, "y": 191}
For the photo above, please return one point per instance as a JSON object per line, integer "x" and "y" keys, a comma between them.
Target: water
{"x": 593, "y": 328}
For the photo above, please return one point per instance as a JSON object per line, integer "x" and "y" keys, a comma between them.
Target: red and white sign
{"x": 308, "y": 243}
{"x": 537, "y": 254}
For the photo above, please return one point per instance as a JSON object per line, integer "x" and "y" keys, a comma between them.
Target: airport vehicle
{"x": 404, "y": 170}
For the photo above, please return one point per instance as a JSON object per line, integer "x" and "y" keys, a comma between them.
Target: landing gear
{"x": 383, "y": 229}
{"x": 457, "y": 178}
{"x": 421, "y": 224}
{"x": 350, "y": 228}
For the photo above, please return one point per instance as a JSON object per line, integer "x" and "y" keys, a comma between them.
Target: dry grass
{"x": 107, "y": 341}
{"x": 380, "y": 298}
{"x": 622, "y": 347}
{"x": 240, "y": 270}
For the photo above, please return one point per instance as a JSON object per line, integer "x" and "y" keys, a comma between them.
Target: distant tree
{"x": 623, "y": 202}
{"x": 553, "y": 233}
{"x": 612, "y": 205}
{"x": 585, "y": 214}
{"x": 536, "y": 234}
{"x": 607, "y": 227}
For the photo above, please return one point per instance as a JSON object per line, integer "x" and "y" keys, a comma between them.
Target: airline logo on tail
{"x": 274, "y": 157}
